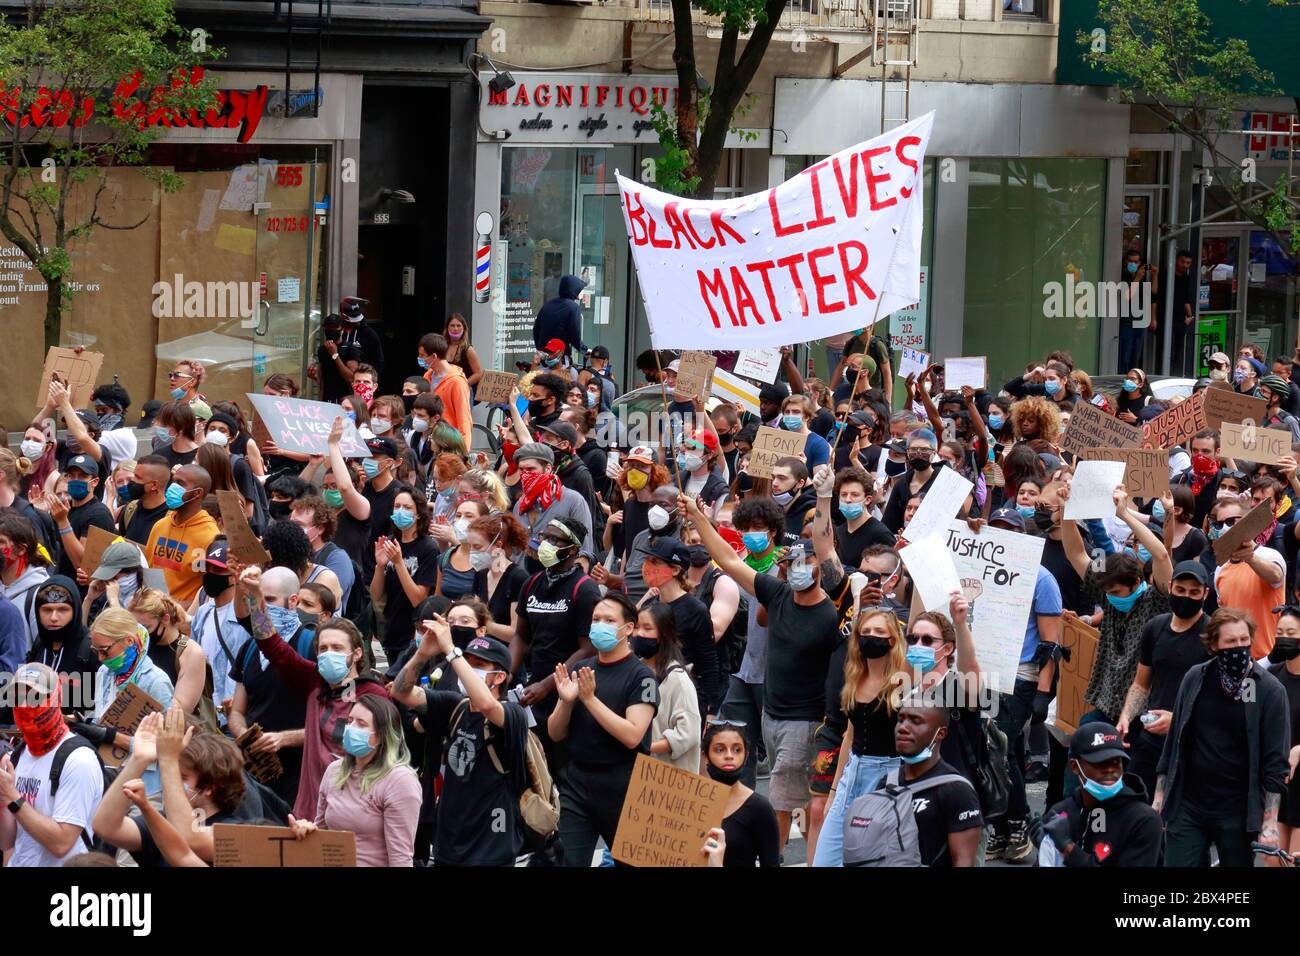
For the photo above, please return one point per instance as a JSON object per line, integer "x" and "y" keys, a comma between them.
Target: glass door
{"x": 1218, "y": 299}
{"x": 1270, "y": 298}
{"x": 601, "y": 254}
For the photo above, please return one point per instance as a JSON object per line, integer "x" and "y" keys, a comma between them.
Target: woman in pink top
{"x": 372, "y": 790}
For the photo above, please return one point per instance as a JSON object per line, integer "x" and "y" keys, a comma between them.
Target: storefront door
{"x": 602, "y": 256}
{"x": 1247, "y": 295}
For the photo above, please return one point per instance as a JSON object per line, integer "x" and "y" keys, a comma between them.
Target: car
{"x": 1163, "y": 387}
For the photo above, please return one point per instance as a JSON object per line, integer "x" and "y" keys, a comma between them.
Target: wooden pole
{"x": 663, "y": 394}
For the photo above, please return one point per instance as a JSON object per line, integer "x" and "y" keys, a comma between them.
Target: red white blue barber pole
{"x": 482, "y": 256}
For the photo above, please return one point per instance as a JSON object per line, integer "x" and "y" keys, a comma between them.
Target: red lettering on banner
{"x": 849, "y": 190}
{"x": 715, "y": 218}
{"x": 636, "y": 216}
{"x": 666, "y": 244}
{"x": 906, "y": 191}
{"x": 776, "y": 218}
{"x": 822, "y": 219}
{"x": 820, "y": 282}
{"x": 874, "y": 179}
{"x": 690, "y": 227}
{"x": 542, "y": 94}
{"x": 853, "y": 274}
{"x": 744, "y": 298}
{"x": 717, "y": 287}
{"x": 790, "y": 262}
{"x": 602, "y": 94}
{"x": 763, "y": 268}
{"x": 564, "y": 95}
{"x": 675, "y": 224}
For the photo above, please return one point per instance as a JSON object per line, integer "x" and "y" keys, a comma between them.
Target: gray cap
{"x": 118, "y": 557}
{"x": 536, "y": 451}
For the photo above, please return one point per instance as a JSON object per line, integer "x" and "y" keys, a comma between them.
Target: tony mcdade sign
{"x": 832, "y": 250}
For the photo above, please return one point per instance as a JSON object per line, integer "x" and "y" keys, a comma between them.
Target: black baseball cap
{"x": 561, "y": 430}
{"x": 491, "y": 650}
{"x": 775, "y": 393}
{"x": 1096, "y": 742}
{"x": 89, "y": 418}
{"x": 216, "y": 555}
{"x": 351, "y": 309}
{"x": 600, "y": 352}
{"x": 84, "y": 464}
{"x": 1192, "y": 569}
{"x": 803, "y": 548}
{"x": 668, "y": 550}
{"x": 382, "y": 446}
{"x": 1008, "y": 516}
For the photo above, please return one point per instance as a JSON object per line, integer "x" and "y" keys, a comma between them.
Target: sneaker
{"x": 1036, "y": 772}
{"x": 997, "y": 846}
{"x": 1019, "y": 848}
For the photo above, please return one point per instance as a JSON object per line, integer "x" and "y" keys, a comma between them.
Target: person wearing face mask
{"x": 748, "y": 821}
{"x": 1284, "y": 664}
{"x": 1204, "y": 476}
{"x": 494, "y": 541}
{"x": 1276, "y": 390}
{"x": 319, "y": 523}
{"x": 573, "y": 474}
{"x": 666, "y": 561}
{"x": 146, "y": 499}
{"x": 39, "y": 825}
{"x": 1171, "y": 645}
{"x": 1133, "y": 396}
{"x": 1131, "y": 834}
{"x": 545, "y": 401}
{"x": 406, "y": 569}
{"x": 635, "y": 479}
{"x": 793, "y": 492}
{"x": 483, "y": 735}
{"x": 24, "y": 566}
{"x": 379, "y": 492}
{"x": 675, "y": 730}
{"x": 854, "y": 491}
{"x": 119, "y": 575}
{"x": 1219, "y": 365}
{"x": 215, "y": 625}
{"x": 183, "y": 534}
{"x": 1224, "y": 765}
{"x": 663, "y": 521}
{"x": 176, "y": 434}
{"x": 543, "y": 499}
{"x": 446, "y": 381}
{"x": 696, "y": 462}
{"x": 86, "y": 511}
{"x": 1246, "y": 375}
{"x": 120, "y": 642}
{"x": 918, "y": 478}
{"x": 796, "y": 412}
{"x": 63, "y": 643}
{"x": 1252, "y": 579}
{"x": 1051, "y": 381}
{"x": 726, "y": 424}
{"x": 178, "y": 656}
{"x": 456, "y": 571}
{"x": 605, "y": 706}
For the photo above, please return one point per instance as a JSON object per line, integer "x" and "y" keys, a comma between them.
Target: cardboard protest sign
{"x": 1146, "y": 472}
{"x": 1090, "y": 427}
{"x": 129, "y": 707}
{"x": 301, "y": 425}
{"x": 1247, "y": 529}
{"x": 831, "y": 250}
{"x": 998, "y": 571}
{"x": 237, "y": 845}
{"x": 260, "y": 435}
{"x": 912, "y": 362}
{"x": 731, "y": 388}
{"x": 97, "y": 541}
{"x": 1092, "y": 488}
{"x": 667, "y": 815}
{"x": 263, "y": 764}
{"x": 939, "y": 507}
{"x": 694, "y": 375}
{"x": 1264, "y": 446}
{"x": 934, "y": 576}
{"x": 495, "y": 387}
{"x": 78, "y": 372}
{"x": 244, "y": 545}
{"x": 770, "y": 445}
{"x": 1081, "y": 641}
{"x": 1226, "y": 405}
{"x": 762, "y": 365}
{"x": 1177, "y": 425}
{"x": 965, "y": 371}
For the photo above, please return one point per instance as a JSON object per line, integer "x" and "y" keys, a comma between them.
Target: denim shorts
{"x": 790, "y": 749}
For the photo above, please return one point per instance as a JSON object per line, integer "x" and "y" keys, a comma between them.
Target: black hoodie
{"x": 73, "y": 655}
{"x": 561, "y": 317}
{"x": 796, "y": 511}
{"x": 1128, "y": 832}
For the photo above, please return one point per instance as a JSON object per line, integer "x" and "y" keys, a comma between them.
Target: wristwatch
{"x": 455, "y": 653}
{"x": 16, "y": 805}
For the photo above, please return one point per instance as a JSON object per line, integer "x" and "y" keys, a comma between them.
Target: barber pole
{"x": 482, "y": 256}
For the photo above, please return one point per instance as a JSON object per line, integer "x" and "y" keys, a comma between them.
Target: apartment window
{"x": 1024, "y": 9}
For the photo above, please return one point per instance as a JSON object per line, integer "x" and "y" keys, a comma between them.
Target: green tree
{"x": 65, "y": 119}
{"x": 1168, "y": 56}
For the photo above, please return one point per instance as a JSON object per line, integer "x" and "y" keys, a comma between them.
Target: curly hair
{"x": 1038, "y": 411}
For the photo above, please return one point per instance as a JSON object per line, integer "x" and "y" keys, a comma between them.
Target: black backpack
{"x": 357, "y": 602}
{"x": 986, "y": 758}
{"x": 73, "y": 742}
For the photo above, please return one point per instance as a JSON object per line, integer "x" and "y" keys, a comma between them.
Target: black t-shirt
{"x": 504, "y": 598}
{"x": 635, "y": 520}
{"x": 695, "y": 633}
{"x": 800, "y": 641}
{"x": 353, "y": 537}
{"x": 1218, "y": 775}
{"x": 948, "y": 808}
{"x": 273, "y": 705}
{"x": 753, "y": 837}
{"x": 141, "y": 523}
{"x": 1192, "y": 546}
{"x": 1056, "y": 562}
{"x": 558, "y": 616}
{"x": 478, "y": 812}
{"x": 1170, "y": 654}
{"x": 849, "y": 545}
{"x": 381, "y": 524}
{"x": 94, "y": 513}
{"x": 619, "y": 685}
{"x": 175, "y": 457}
{"x": 823, "y": 424}
{"x": 421, "y": 559}
{"x": 150, "y": 856}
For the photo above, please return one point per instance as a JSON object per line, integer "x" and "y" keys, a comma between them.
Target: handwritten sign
{"x": 1267, "y": 446}
{"x": 939, "y": 506}
{"x": 495, "y": 387}
{"x": 1146, "y": 471}
{"x": 1177, "y": 425}
{"x": 1092, "y": 488}
{"x": 263, "y": 764}
{"x": 912, "y": 362}
{"x": 998, "y": 570}
{"x": 1247, "y": 529}
{"x": 277, "y": 847}
{"x": 301, "y": 425}
{"x": 77, "y": 371}
{"x": 965, "y": 371}
{"x": 124, "y": 714}
{"x": 694, "y": 375}
{"x": 929, "y": 562}
{"x": 1090, "y": 427}
{"x": 1225, "y": 405}
{"x": 97, "y": 541}
{"x": 244, "y": 545}
{"x": 762, "y": 365}
{"x": 771, "y": 445}
{"x": 667, "y": 815}
{"x": 1081, "y": 641}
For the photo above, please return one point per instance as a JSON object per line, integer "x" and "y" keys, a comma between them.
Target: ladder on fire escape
{"x": 311, "y": 28}
{"x": 893, "y": 49}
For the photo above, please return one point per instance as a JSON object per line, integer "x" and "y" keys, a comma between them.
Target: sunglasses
{"x": 1229, "y": 522}
{"x": 720, "y": 722}
{"x": 175, "y": 375}
{"x": 925, "y": 640}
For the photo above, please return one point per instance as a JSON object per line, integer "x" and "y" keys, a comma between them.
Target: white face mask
{"x": 379, "y": 425}
{"x": 480, "y": 560}
{"x": 419, "y": 424}
{"x": 461, "y": 527}
{"x": 658, "y": 518}
{"x": 217, "y": 438}
{"x": 31, "y": 448}
{"x": 482, "y": 675}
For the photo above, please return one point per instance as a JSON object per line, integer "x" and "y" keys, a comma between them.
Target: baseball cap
{"x": 863, "y": 419}
{"x": 562, "y": 430}
{"x": 147, "y": 412}
{"x": 88, "y": 418}
{"x": 202, "y": 410}
{"x": 1008, "y": 516}
{"x": 802, "y": 548}
{"x": 350, "y": 308}
{"x": 382, "y": 446}
{"x": 704, "y": 438}
{"x": 1097, "y": 741}
{"x": 1192, "y": 569}
{"x": 489, "y": 649}
{"x": 216, "y": 555}
{"x": 1220, "y": 357}
{"x": 669, "y": 550}
{"x": 118, "y": 557}
{"x": 600, "y": 352}
{"x": 41, "y": 678}
{"x": 535, "y": 451}
{"x": 673, "y": 366}
{"x": 642, "y": 453}
{"x": 554, "y": 345}
{"x": 84, "y": 464}
{"x": 774, "y": 393}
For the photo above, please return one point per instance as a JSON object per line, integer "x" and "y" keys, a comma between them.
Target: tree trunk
{"x": 688, "y": 117}
{"x": 53, "y": 312}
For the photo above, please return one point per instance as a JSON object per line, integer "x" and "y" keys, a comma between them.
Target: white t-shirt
{"x": 81, "y": 786}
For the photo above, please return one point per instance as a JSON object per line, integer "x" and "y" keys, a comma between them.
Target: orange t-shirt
{"x": 173, "y": 546}
{"x": 1240, "y": 587}
{"x": 454, "y": 392}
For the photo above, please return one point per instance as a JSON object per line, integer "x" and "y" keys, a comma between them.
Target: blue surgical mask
{"x": 996, "y": 421}
{"x": 1052, "y": 386}
{"x": 1131, "y": 268}
{"x": 356, "y": 741}
{"x": 800, "y": 578}
{"x": 332, "y": 666}
{"x": 1125, "y": 604}
{"x": 852, "y": 509}
{"x": 177, "y": 393}
{"x": 551, "y": 362}
{"x": 1130, "y": 385}
{"x": 1100, "y": 790}
{"x": 921, "y": 658}
{"x": 792, "y": 423}
{"x": 78, "y": 489}
{"x": 924, "y": 755}
{"x": 756, "y": 542}
{"x": 604, "y": 636}
{"x": 403, "y": 518}
{"x": 1142, "y": 554}
{"x": 175, "y": 496}
{"x": 351, "y": 416}
{"x": 422, "y": 363}
{"x": 162, "y": 433}
{"x": 370, "y": 467}
{"x": 1026, "y": 511}
{"x": 1158, "y": 509}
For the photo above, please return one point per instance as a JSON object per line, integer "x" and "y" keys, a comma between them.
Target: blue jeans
{"x": 861, "y": 775}
{"x": 744, "y": 702}
{"x": 1013, "y": 711}
{"x": 1130, "y": 349}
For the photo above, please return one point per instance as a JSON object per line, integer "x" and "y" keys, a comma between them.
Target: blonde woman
{"x": 875, "y": 670}
{"x": 121, "y": 644}
{"x": 485, "y": 484}
{"x": 180, "y": 658}
{"x": 115, "y": 495}
{"x": 371, "y": 790}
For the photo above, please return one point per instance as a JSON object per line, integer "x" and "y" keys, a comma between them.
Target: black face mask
{"x": 280, "y": 510}
{"x": 134, "y": 490}
{"x": 215, "y": 585}
{"x": 727, "y": 777}
{"x": 1185, "y": 607}
{"x": 536, "y": 408}
{"x": 699, "y": 556}
{"x": 1043, "y": 520}
{"x": 1286, "y": 649}
{"x": 408, "y": 402}
{"x": 644, "y": 647}
{"x": 873, "y": 648}
{"x": 461, "y": 635}
{"x": 919, "y": 462}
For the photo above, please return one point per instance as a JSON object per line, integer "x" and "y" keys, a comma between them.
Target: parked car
{"x": 1163, "y": 387}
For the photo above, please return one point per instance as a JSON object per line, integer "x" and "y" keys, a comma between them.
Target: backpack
{"x": 539, "y": 803}
{"x": 990, "y": 769}
{"x": 302, "y": 642}
{"x": 880, "y": 827}
{"x": 356, "y": 603}
{"x": 733, "y": 641}
{"x": 73, "y": 742}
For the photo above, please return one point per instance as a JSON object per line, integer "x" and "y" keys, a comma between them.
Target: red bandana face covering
{"x": 42, "y": 727}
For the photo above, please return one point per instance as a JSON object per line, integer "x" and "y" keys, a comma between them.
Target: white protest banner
{"x": 912, "y": 362}
{"x": 998, "y": 571}
{"x": 762, "y": 365}
{"x": 939, "y": 506}
{"x": 729, "y": 388}
{"x": 834, "y": 249}
{"x": 1092, "y": 487}
{"x": 929, "y": 562}
{"x": 965, "y": 371}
